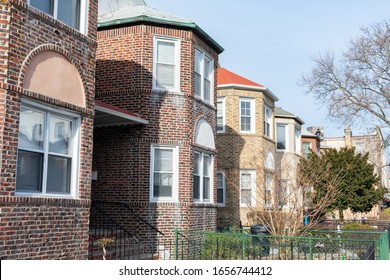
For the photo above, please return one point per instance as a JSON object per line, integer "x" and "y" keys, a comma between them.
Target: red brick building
{"x": 155, "y": 152}
{"x": 47, "y": 73}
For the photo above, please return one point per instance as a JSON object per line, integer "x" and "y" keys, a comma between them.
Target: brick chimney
{"x": 348, "y": 137}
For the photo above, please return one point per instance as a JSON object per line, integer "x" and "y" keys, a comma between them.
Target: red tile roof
{"x": 226, "y": 77}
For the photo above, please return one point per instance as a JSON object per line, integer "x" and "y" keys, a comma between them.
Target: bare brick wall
{"x": 38, "y": 228}
{"x": 122, "y": 154}
{"x": 42, "y": 228}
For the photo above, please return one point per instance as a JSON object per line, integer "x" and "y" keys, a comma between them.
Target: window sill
{"x": 41, "y": 195}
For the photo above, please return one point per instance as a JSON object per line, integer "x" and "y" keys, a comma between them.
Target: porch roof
{"x": 109, "y": 115}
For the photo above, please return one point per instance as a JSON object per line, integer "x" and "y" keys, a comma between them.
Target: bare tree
{"x": 283, "y": 204}
{"x": 356, "y": 87}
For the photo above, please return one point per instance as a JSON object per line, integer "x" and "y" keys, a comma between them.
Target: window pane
{"x": 29, "y": 171}
{"x": 198, "y": 61}
{"x": 58, "y": 175}
{"x": 220, "y": 196}
{"x": 206, "y": 188}
{"x": 166, "y": 52}
{"x": 31, "y": 129}
{"x": 69, "y": 12}
{"x": 245, "y": 181}
{"x": 207, "y": 88}
{"x": 163, "y": 160}
{"x": 246, "y": 197}
{"x": 45, "y": 6}
{"x": 165, "y": 76}
{"x": 206, "y": 165}
{"x": 281, "y": 137}
{"x": 198, "y": 84}
{"x": 162, "y": 185}
{"x": 196, "y": 187}
{"x": 196, "y": 163}
{"x": 60, "y": 134}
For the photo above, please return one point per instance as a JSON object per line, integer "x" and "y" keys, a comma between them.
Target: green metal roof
{"x": 132, "y": 12}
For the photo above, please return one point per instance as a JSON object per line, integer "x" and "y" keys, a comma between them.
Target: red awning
{"x": 109, "y": 115}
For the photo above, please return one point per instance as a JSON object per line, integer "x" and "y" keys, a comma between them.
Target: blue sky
{"x": 272, "y": 42}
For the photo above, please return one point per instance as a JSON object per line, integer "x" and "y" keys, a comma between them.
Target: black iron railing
{"x": 110, "y": 222}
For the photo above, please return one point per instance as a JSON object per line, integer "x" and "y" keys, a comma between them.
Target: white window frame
{"x": 202, "y": 94}
{"x": 252, "y": 114}
{"x": 297, "y": 139}
{"x": 74, "y": 147}
{"x": 252, "y": 187}
{"x": 268, "y": 120}
{"x": 223, "y": 187}
{"x": 221, "y": 113}
{"x": 175, "y": 173}
{"x": 83, "y": 20}
{"x": 176, "y": 83}
{"x": 201, "y": 174}
{"x": 286, "y": 137}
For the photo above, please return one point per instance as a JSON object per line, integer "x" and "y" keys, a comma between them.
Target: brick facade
{"x": 242, "y": 151}
{"x": 124, "y": 73}
{"x": 43, "y": 227}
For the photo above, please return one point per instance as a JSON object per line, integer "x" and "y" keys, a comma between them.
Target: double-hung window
{"x": 71, "y": 12}
{"x": 221, "y": 115}
{"x": 166, "y": 64}
{"x": 164, "y": 173}
{"x": 247, "y": 188}
{"x": 48, "y": 151}
{"x": 247, "y": 115}
{"x": 204, "y": 76}
{"x": 267, "y": 121}
{"x": 202, "y": 177}
{"x": 297, "y": 141}
{"x": 281, "y": 137}
{"x": 221, "y": 189}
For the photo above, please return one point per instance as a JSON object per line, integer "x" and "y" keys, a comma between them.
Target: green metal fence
{"x": 318, "y": 245}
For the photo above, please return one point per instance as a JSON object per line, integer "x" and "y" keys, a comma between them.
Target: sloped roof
{"x": 280, "y": 112}
{"x": 227, "y": 79}
{"x": 122, "y": 12}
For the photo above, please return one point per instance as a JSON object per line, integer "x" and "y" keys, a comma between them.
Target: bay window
{"x": 267, "y": 121}
{"x": 281, "y": 137}
{"x": 48, "y": 148}
{"x": 247, "y": 115}
{"x": 204, "y": 76}
{"x": 247, "y": 188}
{"x": 164, "y": 173}
{"x": 202, "y": 177}
{"x": 166, "y": 64}
{"x": 221, "y": 115}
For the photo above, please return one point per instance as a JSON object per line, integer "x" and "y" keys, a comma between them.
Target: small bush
{"x": 356, "y": 226}
{"x": 385, "y": 214}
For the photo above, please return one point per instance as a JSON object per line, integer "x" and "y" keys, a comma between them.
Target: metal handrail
{"x": 132, "y": 211}
{"x": 113, "y": 221}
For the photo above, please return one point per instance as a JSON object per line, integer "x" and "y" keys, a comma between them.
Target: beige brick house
{"x": 246, "y": 146}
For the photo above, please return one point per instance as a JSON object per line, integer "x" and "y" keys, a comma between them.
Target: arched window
{"x": 204, "y": 135}
{"x": 269, "y": 160}
{"x": 203, "y": 163}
